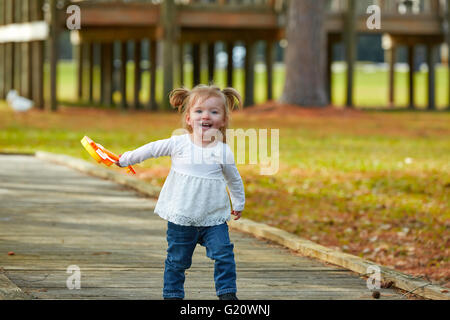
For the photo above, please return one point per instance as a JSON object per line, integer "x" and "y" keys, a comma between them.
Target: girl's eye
{"x": 199, "y": 111}
{"x": 215, "y": 112}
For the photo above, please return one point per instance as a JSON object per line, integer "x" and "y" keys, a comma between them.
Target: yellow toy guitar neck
{"x": 101, "y": 154}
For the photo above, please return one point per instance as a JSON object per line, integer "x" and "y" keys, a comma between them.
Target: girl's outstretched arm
{"x": 153, "y": 149}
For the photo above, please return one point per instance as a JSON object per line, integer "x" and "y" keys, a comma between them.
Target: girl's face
{"x": 207, "y": 114}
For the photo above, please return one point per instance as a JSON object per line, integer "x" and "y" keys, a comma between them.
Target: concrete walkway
{"x": 53, "y": 217}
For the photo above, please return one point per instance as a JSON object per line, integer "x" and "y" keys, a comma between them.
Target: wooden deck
{"x": 52, "y": 217}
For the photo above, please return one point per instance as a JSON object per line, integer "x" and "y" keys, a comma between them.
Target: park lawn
{"x": 371, "y": 87}
{"x": 373, "y": 184}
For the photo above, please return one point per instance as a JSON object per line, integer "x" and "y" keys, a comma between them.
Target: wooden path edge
{"x": 9, "y": 291}
{"x": 305, "y": 247}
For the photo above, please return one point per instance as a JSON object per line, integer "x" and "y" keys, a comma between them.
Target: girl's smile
{"x": 206, "y": 115}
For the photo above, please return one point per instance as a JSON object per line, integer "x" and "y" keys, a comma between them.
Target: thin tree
{"x": 305, "y": 83}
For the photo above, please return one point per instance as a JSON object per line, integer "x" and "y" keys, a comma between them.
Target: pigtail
{"x": 233, "y": 98}
{"x": 178, "y": 97}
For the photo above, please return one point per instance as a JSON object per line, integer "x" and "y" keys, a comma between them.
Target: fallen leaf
{"x": 11, "y": 253}
{"x": 100, "y": 253}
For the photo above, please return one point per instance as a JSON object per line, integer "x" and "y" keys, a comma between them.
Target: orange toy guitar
{"x": 100, "y": 154}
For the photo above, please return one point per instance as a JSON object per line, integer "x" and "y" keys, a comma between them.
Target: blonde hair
{"x": 183, "y": 99}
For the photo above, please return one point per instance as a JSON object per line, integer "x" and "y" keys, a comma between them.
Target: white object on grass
{"x": 18, "y": 103}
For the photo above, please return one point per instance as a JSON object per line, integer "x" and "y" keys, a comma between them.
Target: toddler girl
{"x": 194, "y": 198}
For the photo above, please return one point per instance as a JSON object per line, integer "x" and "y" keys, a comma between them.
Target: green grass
{"x": 371, "y": 88}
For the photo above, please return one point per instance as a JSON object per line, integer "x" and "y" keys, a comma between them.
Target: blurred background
{"x": 107, "y": 52}
{"x": 362, "y": 109}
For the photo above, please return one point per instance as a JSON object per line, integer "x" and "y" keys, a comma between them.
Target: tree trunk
{"x": 305, "y": 83}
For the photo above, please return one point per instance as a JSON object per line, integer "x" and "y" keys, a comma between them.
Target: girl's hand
{"x": 237, "y": 214}
{"x": 117, "y": 163}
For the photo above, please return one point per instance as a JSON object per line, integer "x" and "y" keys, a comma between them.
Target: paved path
{"x": 53, "y": 217}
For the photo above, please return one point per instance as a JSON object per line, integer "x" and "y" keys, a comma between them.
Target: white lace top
{"x": 195, "y": 191}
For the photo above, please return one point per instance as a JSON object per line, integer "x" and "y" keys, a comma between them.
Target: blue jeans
{"x": 182, "y": 241}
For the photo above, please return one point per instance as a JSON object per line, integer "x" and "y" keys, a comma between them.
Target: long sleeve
{"x": 234, "y": 182}
{"x": 153, "y": 149}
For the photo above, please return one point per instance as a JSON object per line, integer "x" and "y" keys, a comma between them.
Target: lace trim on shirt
{"x": 190, "y": 221}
